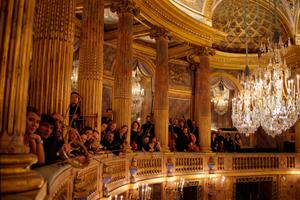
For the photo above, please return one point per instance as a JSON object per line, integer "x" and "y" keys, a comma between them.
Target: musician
{"x": 74, "y": 111}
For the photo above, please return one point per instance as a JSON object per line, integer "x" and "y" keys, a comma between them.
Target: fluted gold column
{"x": 161, "y": 100}
{"x": 16, "y": 22}
{"x": 297, "y": 136}
{"x": 90, "y": 78}
{"x": 50, "y": 84}
{"x": 202, "y": 104}
{"x": 123, "y": 66}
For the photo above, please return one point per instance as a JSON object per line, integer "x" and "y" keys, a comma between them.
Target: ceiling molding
{"x": 165, "y": 14}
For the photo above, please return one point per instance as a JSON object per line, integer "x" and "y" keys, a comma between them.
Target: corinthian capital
{"x": 204, "y": 51}
{"x": 194, "y": 57}
{"x": 125, "y": 6}
{"x": 157, "y": 32}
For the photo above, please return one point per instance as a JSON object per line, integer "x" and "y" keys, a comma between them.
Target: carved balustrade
{"x": 109, "y": 172}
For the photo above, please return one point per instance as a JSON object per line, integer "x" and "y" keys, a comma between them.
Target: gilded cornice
{"x": 234, "y": 61}
{"x": 164, "y": 14}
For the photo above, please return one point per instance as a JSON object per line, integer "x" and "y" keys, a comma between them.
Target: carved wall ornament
{"x": 179, "y": 75}
{"x": 125, "y": 6}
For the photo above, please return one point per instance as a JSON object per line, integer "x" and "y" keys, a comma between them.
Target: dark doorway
{"x": 190, "y": 193}
{"x": 254, "y": 190}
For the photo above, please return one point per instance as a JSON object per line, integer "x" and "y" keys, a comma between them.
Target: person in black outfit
{"x": 183, "y": 140}
{"x": 55, "y": 142}
{"x": 74, "y": 111}
{"x": 108, "y": 116}
{"x": 228, "y": 143}
{"x": 148, "y": 128}
{"x": 109, "y": 144}
{"x": 220, "y": 141}
{"x": 195, "y": 130}
{"x": 214, "y": 142}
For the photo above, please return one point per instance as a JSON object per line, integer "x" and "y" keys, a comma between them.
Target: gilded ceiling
{"x": 230, "y": 17}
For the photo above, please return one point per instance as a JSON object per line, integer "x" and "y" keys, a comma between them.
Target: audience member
{"x": 55, "y": 142}
{"x": 145, "y": 146}
{"x": 108, "y": 117}
{"x": 183, "y": 140}
{"x": 228, "y": 143}
{"x": 238, "y": 142}
{"x": 46, "y": 127}
{"x": 32, "y": 139}
{"x": 154, "y": 145}
{"x": 220, "y": 141}
{"x": 193, "y": 147}
{"x": 214, "y": 142}
{"x": 148, "y": 128}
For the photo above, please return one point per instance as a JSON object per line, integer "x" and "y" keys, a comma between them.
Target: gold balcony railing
{"x": 108, "y": 173}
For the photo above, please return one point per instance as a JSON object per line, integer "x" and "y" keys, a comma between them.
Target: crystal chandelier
{"x": 270, "y": 98}
{"x": 245, "y": 110}
{"x": 137, "y": 93}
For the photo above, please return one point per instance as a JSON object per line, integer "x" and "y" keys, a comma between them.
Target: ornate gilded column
{"x": 16, "y": 22}
{"x": 50, "y": 78}
{"x": 297, "y": 136}
{"x": 90, "y": 77}
{"x": 202, "y": 104}
{"x": 161, "y": 100}
{"x": 123, "y": 66}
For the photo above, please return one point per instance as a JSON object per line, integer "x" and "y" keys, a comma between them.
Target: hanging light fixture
{"x": 279, "y": 94}
{"x": 137, "y": 93}
{"x": 270, "y": 97}
{"x": 245, "y": 112}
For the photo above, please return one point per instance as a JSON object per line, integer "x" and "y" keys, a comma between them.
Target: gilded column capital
{"x": 204, "y": 51}
{"x": 125, "y": 6}
{"x": 157, "y": 32}
{"x": 194, "y": 57}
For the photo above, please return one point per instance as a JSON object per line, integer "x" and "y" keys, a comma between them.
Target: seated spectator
{"x": 32, "y": 139}
{"x": 214, "y": 142}
{"x": 103, "y": 128}
{"x": 220, "y": 141}
{"x": 195, "y": 131}
{"x": 148, "y": 128}
{"x": 228, "y": 143}
{"x": 238, "y": 142}
{"x": 192, "y": 146}
{"x": 135, "y": 136}
{"x": 154, "y": 145}
{"x": 46, "y": 127}
{"x": 183, "y": 140}
{"x": 112, "y": 127}
{"x": 54, "y": 143}
{"x": 83, "y": 138}
{"x": 108, "y": 116}
{"x": 145, "y": 146}
{"x": 120, "y": 136}
{"x": 108, "y": 143}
